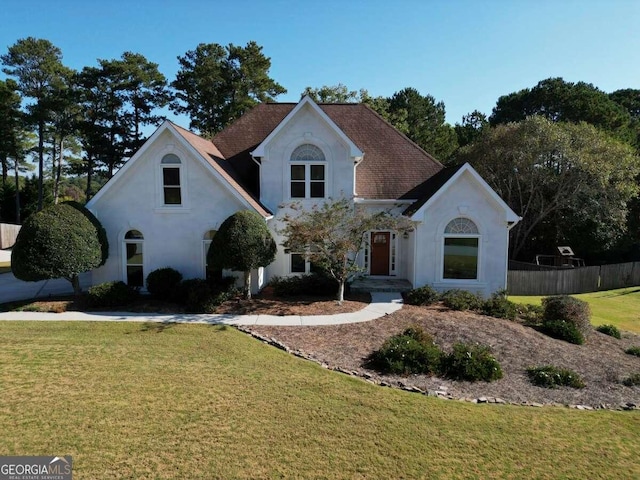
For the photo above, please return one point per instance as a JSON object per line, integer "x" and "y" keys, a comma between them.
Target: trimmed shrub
{"x": 422, "y": 296}
{"x": 61, "y": 241}
{"x": 569, "y": 309}
{"x": 163, "y": 282}
{"x": 498, "y": 306}
{"x": 566, "y": 318}
{"x": 610, "y": 330}
{"x": 412, "y": 351}
{"x": 549, "y": 376}
{"x": 471, "y": 363}
{"x": 632, "y": 380}
{"x": 313, "y": 284}
{"x": 199, "y": 296}
{"x": 461, "y": 300}
{"x": 243, "y": 242}
{"x": 633, "y": 351}
{"x": 111, "y": 294}
{"x": 563, "y": 330}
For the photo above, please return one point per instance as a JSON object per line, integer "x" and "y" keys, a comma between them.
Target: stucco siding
{"x": 173, "y": 235}
{"x": 464, "y": 198}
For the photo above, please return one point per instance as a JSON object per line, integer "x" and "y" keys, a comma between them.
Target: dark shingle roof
{"x": 428, "y": 188}
{"x": 393, "y": 166}
{"x": 213, "y": 156}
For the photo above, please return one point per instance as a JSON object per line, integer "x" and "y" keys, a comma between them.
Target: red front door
{"x": 380, "y": 243}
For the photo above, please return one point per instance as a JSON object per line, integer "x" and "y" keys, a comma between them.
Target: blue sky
{"x": 465, "y": 53}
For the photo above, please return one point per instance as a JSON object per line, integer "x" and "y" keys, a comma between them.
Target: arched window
{"x": 209, "y": 273}
{"x": 171, "y": 166}
{"x": 133, "y": 247}
{"x": 308, "y": 172}
{"x": 461, "y": 250}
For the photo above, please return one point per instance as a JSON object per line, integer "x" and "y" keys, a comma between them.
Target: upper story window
{"x": 461, "y": 250}
{"x": 308, "y": 172}
{"x": 172, "y": 191}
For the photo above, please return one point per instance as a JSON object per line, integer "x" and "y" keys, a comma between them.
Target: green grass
{"x": 617, "y": 307}
{"x": 5, "y": 267}
{"x": 190, "y": 401}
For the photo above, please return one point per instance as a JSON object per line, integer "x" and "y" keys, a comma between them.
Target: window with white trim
{"x": 210, "y": 273}
{"x": 307, "y": 172}
{"x": 133, "y": 248}
{"x": 461, "y": 250}
{"x": 171, "y": 173}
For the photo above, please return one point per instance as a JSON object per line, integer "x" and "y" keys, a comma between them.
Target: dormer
{"x": 306, "y": 157}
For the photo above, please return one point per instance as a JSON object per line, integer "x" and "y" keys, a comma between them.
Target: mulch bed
{"x": 601, "y": 361}
{"x": 264, "y": 304}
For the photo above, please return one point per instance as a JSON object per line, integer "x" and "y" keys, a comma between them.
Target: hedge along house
{"x": 162, "y": 208}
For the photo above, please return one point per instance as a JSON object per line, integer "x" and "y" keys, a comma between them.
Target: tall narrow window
{"x": 210, "y": 273}
{"x": 171, "y": 179}
{"x": 133, "y": 247}
{"x": 308, "y": 172}
{"x": 461, "y": 248}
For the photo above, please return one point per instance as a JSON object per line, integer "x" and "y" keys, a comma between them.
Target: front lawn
{"x": 619, "y": 307}
{"x": 191, "y": 401}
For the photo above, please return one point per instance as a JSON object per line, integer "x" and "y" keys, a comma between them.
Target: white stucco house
{"x": 163, "y": 206}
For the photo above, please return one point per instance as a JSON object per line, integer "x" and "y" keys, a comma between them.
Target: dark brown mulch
{"x": 601, "y": 362}
{"x": 263, "y": 304}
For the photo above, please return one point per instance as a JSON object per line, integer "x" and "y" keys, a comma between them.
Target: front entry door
{"x": 380, "y": 243}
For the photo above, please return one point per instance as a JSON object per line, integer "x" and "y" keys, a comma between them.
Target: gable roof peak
{"x": 354, "y": 151}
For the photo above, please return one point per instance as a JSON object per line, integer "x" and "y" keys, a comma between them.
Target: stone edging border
{"x": 441, "y": 394}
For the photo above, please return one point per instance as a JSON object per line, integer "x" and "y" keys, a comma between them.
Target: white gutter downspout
{"x": 510, "y": 225}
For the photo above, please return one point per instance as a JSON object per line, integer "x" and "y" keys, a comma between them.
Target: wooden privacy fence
{"x": 574, "y": 280}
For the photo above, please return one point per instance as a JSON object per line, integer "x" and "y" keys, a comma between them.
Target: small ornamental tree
{"x": 61, "y": 241}
{"x": 242, "y": 243}
{"x": 333, "y": 234}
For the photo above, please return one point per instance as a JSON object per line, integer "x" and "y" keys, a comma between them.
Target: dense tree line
{"x": 564, "y": 155}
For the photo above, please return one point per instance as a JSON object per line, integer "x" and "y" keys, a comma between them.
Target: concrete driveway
{"x": 13, "y": 289}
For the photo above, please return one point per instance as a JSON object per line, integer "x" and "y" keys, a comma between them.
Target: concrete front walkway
{"x": 382, "y": 303}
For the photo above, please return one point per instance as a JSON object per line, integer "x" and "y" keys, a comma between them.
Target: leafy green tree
{"x": 37, "y": 66}
{"x": 562, "y": 101}
{"x": 242, "y": 244}
{"x": 334, "y": 94}
{"x": 11, "y": 125}
{"x": 333, "y": 234}
{"x": 471, "y": 127}
{"x": 61, "y": 241}
{"x": 217, "y": 85}
{"x": 570, "y": 182}
{"x": 424, "y": 122}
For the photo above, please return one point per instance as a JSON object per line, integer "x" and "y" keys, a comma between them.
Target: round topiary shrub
{"x": 549, "y": 376}
{"x": 163, "y": 283}
{"x": 412, "y": 351}
{"x": 471, "y": 363}
{"x": 610, "y": 330}
{"x": 566, "y": 318}
{"x": 61, "y": 241}
{"x": 425, "y": 295}
{"x": 461, "y": 300}
{"x": 111, "y": 294}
